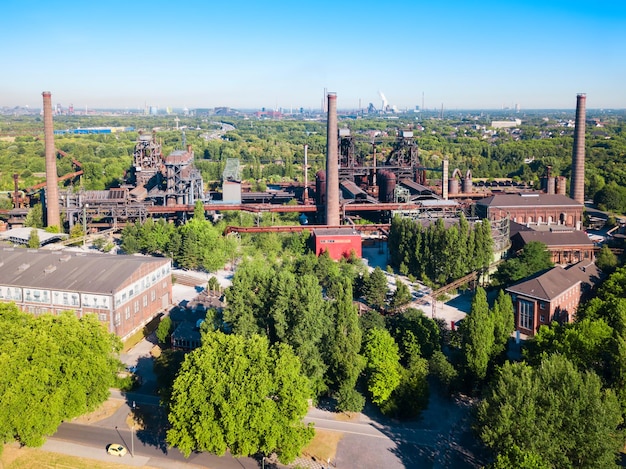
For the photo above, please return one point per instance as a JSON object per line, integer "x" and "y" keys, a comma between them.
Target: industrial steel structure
{"x": 376, "y": 186}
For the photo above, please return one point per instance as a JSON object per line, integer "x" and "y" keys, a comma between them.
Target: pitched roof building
{"x": 551, "y": 296}
{"x": 125, "y": 292}
{"x": 566, "y": 247}
{"x": 532, "y": 208}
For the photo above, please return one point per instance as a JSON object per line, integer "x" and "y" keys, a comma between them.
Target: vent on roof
{"x": 23, "y": 267}
{"x": 522, "y": 194}
{"x": 65, "y": 258}
{"x": 51, "y": 268}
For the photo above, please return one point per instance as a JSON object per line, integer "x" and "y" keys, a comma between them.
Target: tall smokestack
{"x": 305, "y": 195}
{"x": 53, "y": 217}
{"x": 577, "y": 186}
{"x": 332, "y": 164}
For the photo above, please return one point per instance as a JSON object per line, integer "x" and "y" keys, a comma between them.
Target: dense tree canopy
{"x": 239, "y": 394}
{"x": 438, "y": 254}
{"x": 533, "y": 258}
{"x": 54, "y": 368}
{"x": 555, "y": 412}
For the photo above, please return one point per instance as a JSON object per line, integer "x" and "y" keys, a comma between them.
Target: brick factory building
{"x": 552, "y": 296}
{"x": 532, "y": 209}
{"x": 339, "y": 242}
{"x": 125, "y": 292}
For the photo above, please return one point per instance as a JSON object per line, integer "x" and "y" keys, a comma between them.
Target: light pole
{"x": 85, "y": 207}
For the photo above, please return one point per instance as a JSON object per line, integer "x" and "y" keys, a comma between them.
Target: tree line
{"x": 437, "y": 254}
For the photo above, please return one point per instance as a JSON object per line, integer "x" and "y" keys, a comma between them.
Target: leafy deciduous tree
{"x": 239, "y": 394}
{"x": 383, "y": 367}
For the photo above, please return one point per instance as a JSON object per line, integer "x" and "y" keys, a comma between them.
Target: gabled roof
{"x": 526, "y": 199}
{"x": 556, "y": 238}
{"x": 546, "y": 286}
{"x": 70, "y": 271}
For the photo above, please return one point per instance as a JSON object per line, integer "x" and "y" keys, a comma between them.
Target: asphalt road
{"x": 94, "y": 440}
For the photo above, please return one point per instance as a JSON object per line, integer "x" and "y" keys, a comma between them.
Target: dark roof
{"x": 515, "y": 228}
{"x": 348, "y": 231}
{"x": 526, "y": 199}
{"x": 546, "y": 286}
{"x": 70, "y": 271}
{"x": 556, "y": 238}
{"x": 587, "y": 272}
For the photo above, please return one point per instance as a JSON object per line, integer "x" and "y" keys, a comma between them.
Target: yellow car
{"x": 116, "y": 450}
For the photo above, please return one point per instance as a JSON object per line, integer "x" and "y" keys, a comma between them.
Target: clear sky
{"x": 252, "y": 54}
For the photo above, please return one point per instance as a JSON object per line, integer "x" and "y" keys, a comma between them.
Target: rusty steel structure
{"x": 577, "y": 187}
{"x": 53, "y": 215}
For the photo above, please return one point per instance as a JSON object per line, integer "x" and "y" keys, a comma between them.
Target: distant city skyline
{"x": 244, "y": 55}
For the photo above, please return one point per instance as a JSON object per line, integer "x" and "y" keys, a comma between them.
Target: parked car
{"x": 116, "y": 449}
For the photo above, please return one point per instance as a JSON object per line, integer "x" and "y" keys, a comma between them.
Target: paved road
{"x": 94, "y": 440}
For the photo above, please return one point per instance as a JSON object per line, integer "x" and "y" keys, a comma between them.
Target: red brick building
{"x": 125, "y": 292}
{"x": 339, "y": 242}
{"x": 532, "y": 209}
{"x": 565, "y": 247}
{"x": 551, "y": 296}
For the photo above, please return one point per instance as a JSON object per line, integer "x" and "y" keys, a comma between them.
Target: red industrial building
{"x": 339, "y": 242}
{"x": 532, "y": 209}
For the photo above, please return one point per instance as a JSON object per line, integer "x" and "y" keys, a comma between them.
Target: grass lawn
{"x": 323, "y": 446}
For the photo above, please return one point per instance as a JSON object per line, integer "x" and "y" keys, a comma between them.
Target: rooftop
{"x": 70, "y": 271}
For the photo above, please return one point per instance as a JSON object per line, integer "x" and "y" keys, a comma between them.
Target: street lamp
{"x": 85, "y": 207}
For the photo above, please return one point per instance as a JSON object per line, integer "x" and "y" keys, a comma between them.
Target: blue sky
{"x": 252, "y": 54}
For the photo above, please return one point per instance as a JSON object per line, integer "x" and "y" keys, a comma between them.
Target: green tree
{"x": 411, "y": 396}
{"x": 213, "y": 284}
{"x": 383, "y": 367}
{"x": 477, "y": 331}
{"x": 555, "y": 412}
{"x": 54, "y": 368}
{"x": 34, "y": 217}
{"x": 164, "y": 329}
{"x": 533, "y": 258}
{"x": 443, "y": 371}
{"x": 503, "y": 322}
{"x": 344, "y": 361}
{"x": 239, "y": 394}
{"x": 401, "y": 296}
{"x": 376, "y": 289}
{"x": 33, "y": 239}
{"x": 606, "y": 260}
{"x": 516, "y": 458}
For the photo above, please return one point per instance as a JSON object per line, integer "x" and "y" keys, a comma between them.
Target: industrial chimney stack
{"x": 53, "y": 217}
{"x": 332, "y": 164}
{"x": 577, "y": 186}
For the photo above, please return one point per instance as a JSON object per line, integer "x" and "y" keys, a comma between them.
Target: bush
{"x": 349, "y": 400}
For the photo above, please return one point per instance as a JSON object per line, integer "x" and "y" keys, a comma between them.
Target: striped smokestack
{"x": 332, "y": 164}
{"x": 577, "y": 186}
{"x": 53, "y": 217}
